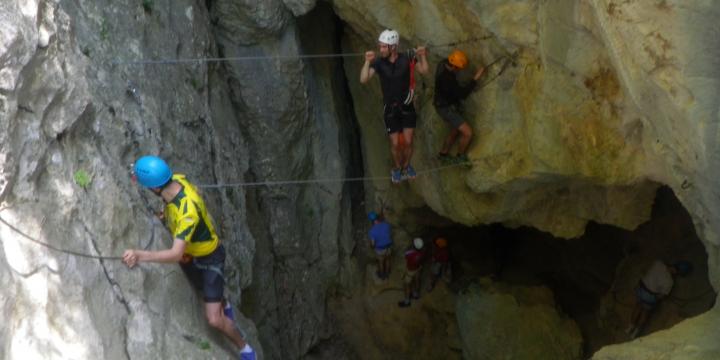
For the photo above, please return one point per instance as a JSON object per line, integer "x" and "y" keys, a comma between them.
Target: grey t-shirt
{"x": 658, "y": 279}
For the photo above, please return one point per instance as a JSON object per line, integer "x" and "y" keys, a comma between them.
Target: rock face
{"x": 587, "y": 107}
{"x": 515, "y": 323}
{"x": 691, "y": 339}
{"x": 564, "y": 132}
{"x": 75, "y": 111}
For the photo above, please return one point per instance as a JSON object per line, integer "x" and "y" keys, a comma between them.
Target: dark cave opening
{"x": 592, "y": 276}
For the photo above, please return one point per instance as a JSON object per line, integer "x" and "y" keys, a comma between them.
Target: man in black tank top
{"x": 397, "y": 83}
{"x": 448, "y": 95}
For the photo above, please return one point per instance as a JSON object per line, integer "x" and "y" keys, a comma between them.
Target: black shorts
{"x": 451, "y": 115}
{"x": 399, "y": 117}
{"x": 207, "y": 274}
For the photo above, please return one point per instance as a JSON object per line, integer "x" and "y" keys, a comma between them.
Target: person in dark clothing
{"x": 381, "y": 242}
{"x": 397, "y": 81}
{"x": 448, "y": 94}
{"x": 414, "y": 257}
{"x": 440, "y": 262}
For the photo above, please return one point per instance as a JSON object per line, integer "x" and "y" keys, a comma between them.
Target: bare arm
{"x": 422, "y": 65}
{"x": 479, "y": 73}
{"x": 174, "y": 254}
{"x": 366, "y": 72}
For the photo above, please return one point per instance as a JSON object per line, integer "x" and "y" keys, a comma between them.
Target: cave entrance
{"x": 592, "y": 277}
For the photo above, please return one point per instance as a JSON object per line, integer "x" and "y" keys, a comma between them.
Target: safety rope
{"x": 509, "y": 59}
{"x": 235, "y": 58}
{"x": 276, "y": 57}
{"x": 211, "y": 186}
{"x": 456, "y": 43}
{"x": 324, "y": 180}
{"x": 52, "y": 247}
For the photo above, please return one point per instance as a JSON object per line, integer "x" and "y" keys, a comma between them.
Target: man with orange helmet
{"x": 397, "y": 81}
{"x": 448, "y": 94}
{"x": 440, "y": 261}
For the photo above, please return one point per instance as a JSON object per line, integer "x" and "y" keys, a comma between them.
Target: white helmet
{"x": 390, "y": 37}
{"x": 418, "y": 243}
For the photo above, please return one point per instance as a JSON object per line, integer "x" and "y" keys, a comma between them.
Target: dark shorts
{"x": 451, "y": 115}
{"x": 399, "y": 117}
{"x": 646, "y": 298}
{"x": 207, "y": 274}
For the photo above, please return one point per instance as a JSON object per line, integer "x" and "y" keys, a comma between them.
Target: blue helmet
{"x": 683, "y": 267}
{"x": 152, "y": 171}
{"x": 372, "y": 216}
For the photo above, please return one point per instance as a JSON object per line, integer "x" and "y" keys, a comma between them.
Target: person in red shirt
{"x": 440, "y": 261}
{"x": 413, "y": 264}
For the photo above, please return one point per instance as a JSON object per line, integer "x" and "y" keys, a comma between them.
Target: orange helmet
{"x": 441, "y": 242}
{"x": 458, "y": 59}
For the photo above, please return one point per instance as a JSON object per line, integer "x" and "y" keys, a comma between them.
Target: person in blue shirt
{"x": 381, "y": 242}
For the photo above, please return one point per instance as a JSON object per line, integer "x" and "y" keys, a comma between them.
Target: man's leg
{"x": 380, "y": 273}
{"x": 642, "y": 319}
{"x": 449, "y": 141}
{"x": 434, "y": 276}
{"x": 407, "y": 134}
{"x": 218, "y": 320}
{"x": 386, "y": 263}
{"x": 467, "y": 133}
{"x": 416, "y": 285}
{"x": 407, "y": 282}
{"x": 635, "y": 316}
{"x": 396, "y": 150}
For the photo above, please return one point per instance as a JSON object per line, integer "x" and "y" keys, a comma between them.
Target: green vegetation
{"x": 82, "y": 178}
{"x": 203, "y": 344}
{"x": 104, "y": 30}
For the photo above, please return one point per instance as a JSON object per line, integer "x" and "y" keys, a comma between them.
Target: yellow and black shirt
{"x": 188, "y": 220}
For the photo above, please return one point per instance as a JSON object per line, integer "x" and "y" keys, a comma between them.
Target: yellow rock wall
{"x": 602, "y": 102}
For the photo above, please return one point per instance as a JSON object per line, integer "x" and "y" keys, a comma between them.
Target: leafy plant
{"x": 104, "y": 30}
{"x": 82, "y": 178}
{"x": 203, "y": 344}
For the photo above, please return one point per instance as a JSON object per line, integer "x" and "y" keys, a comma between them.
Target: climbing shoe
{"x": 462, "y": 159}
{"x": 404, "y": 303}
{"x": 409, "y": 173}
{"x": 396, "y": 176}
{"x": 247, "y": 353}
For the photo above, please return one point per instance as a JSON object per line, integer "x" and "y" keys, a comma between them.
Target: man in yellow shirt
{"x": 195, "y": 246}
